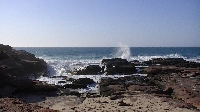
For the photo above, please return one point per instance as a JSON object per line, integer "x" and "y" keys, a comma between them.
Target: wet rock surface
{"x": 88, "y": 70}
{"x": 83, "y": 81}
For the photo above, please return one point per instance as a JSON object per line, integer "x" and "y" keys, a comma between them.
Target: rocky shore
{"x": 170, "y": 84}
{"x": 18, "y": 69}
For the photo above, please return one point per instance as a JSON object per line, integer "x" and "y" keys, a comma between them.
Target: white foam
{"x": 123, "y": 52}
{"x": 59, "y": 66}
{"x": 143, "y": 58}
{"x": 92, "y": 88}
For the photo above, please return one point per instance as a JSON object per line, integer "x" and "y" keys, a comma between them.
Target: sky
{"x": 100, "y": 23}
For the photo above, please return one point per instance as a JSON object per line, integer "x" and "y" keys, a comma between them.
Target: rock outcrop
{"x": 79, "y": 83}
{"x": 173, "y": 78}
{"x": 88, "y": 70}
{"x": 16, "y": 67}
{"x": 117, "y": 66}
{"x": 109, "y": 67}
{"x": 20, "y": 63}
{"x": 179, "y": 62}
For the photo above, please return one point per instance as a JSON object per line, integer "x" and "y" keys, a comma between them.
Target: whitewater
{"x": 62, "y": 60}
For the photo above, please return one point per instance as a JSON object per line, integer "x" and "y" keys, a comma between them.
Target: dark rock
{"x": 109, "y": 66}
{"x": 88, "y": 70}
{"x": 179, "y": 62}
{"x": 83, "y": 81}
{"x": 118, "y": 66}
{"x": 75, "y": 86}
{"x": 104, "y": 102}
{"x": 122, "y": 103}
{"x": 7, "y": 91}
{"x": 136, "y": 62}
{"x": 169, "y": 91}
{"x": 169, "y": 78}
{"x": 105, "y": 91}
{"x": 61, "y": 81}
{"x": 70, "y": 92}
{"x": 22, "y": 84}
{"x": 109, "y": 86}
{"x": 115, "y": 97}
{"x": 34, "y": 87}
{"x": 20, "y": 63}
{"x": 165, "y": 93}
{"x": 137, "y": 88}
{"x": 165, "y": 61}
{"x": 117, "y": 87}
{"x": 5, "y": 47}
{"x": 3, "y": 55}
{"x": 114, "y": 60}
{"x": 76, "y": 93}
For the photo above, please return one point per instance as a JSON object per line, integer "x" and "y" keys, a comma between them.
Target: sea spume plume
{"x": 123, "y": 52}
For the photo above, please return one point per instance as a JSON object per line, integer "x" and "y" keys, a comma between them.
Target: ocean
{"x": 61, "y": 60}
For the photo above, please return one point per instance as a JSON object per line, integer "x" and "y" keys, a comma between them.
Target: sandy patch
{"x": 138, "y": 103}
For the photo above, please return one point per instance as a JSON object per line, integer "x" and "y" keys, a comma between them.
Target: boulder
{"x": 79, "y": 83}
{"x": 88, "y": 70}
{"x": 109, "y": 67}
{"x": 83, "y": 81}
{"x": 114, "y": 60}
{"x": 117, "y": 66}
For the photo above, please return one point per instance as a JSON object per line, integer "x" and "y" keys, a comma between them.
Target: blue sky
{"x": 100, "y": 23}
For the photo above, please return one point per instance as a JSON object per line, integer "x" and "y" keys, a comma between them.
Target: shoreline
{"x": 161, "y": 90}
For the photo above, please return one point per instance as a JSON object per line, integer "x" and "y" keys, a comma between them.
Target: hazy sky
{"x": 100, "y": 23}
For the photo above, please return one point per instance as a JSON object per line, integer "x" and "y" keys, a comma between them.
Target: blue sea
{"x": 61, "y": 60}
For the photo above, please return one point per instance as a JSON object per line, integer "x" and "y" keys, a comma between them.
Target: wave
{"x": 62, "y": 67}
{"x": 60, "y": 64}
{"x": 143, "y": 58}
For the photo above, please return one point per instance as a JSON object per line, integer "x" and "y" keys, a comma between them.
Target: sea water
{"x": 62, "y": 60}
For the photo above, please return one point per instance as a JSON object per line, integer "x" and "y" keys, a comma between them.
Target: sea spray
{"x": 61, "y": 61}
{"x": 123, "y": 52}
